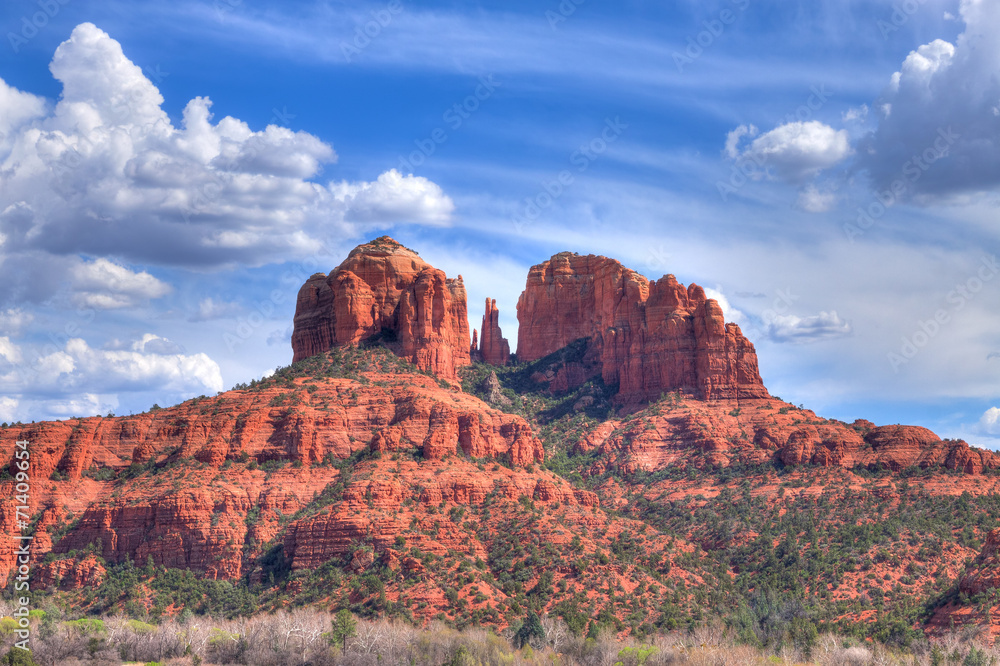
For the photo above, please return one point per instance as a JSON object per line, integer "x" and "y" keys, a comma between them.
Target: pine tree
{"x": 344, "y": 627}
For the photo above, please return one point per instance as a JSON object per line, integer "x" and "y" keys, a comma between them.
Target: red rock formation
{"x": 70, "y": 574}
{"x": 984, "y": 573}
{"x": 384, "y": 289}
{"x": 493, "y": 347}
{"x": 194, "y": 517}
{"x": 647, "y": 337}
{"x": 678, "y": 432}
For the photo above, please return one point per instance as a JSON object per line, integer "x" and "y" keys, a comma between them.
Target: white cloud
{"x": 733, "y": 139}
{"x": 731, "y": 313}
{"x": 9, "y": 352}
{"x": 105, "y": 285}
{"x": 393, "y": 197}
{"x": 152, "y": 364}
{"x": 794, "y": 151}
{"x": 791, "y": 328}
{"x": 84, "y": 404}
{"x": 989, "y": 422}
{"x": 154, "y": 344}
{"x": 18, "y": 108}
{"x": 855, "y": 113}
{"x": 813, "y": 200}
{"x": 942, "y": 91}
{"x": 13, "y": 321}
{"x": 210, "y": 308}
{"x": 103, "y": 172}
{"x": 8, "y": 408}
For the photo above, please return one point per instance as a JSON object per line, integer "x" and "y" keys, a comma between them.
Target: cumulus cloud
{"x": 989, "y": 422}
{"x": 154, "y": 344}
{"x": 19, "y": 108}
{"x": 8, "y": 408}
{"x": 153, "y": 363}
{"x": 104, "y": 172}
{"x": 791, "y": 328}
{"x": 795, "y": 151}
{"x": 942, "y": 90}
{"x": 393, "y": 197}
{"x": 85, "y": 404}
{"x": 105, "y": 285}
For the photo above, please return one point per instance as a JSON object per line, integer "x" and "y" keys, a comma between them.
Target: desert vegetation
{"x": 310, "y": 636}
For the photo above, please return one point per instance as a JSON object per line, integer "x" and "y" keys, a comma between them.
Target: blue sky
{"x": 171, "y": 172}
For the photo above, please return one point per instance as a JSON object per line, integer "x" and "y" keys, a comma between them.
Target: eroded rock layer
{"x": 386, "y": 291}
{"x": 646, "y": 337}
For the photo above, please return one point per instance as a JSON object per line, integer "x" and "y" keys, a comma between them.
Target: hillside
{"x": 625, "y": 470}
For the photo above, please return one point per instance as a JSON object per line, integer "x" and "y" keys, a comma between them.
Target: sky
{"x": 170, "y": 174}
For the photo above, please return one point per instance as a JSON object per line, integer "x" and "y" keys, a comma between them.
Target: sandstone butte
{"x": 646, "y": 337}
{"x": 385, "y": 290}
{"x": 356, "y": 446}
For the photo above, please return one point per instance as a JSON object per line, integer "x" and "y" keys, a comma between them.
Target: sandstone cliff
{"x": 386, "y": 291}
{"x": 680, "y": 432}
{"x": 165, "y": 465}
{"x": 646, "y": 337}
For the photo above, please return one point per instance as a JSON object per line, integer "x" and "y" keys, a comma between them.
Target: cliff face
{"x": 493, "y": 347}
{"x": 679, "y": 432}
{"x": 384, "y": 290}
{"x": 647, "y": 337}
{"x": 174, "y": 474}
{"x": 984, "y": 572}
